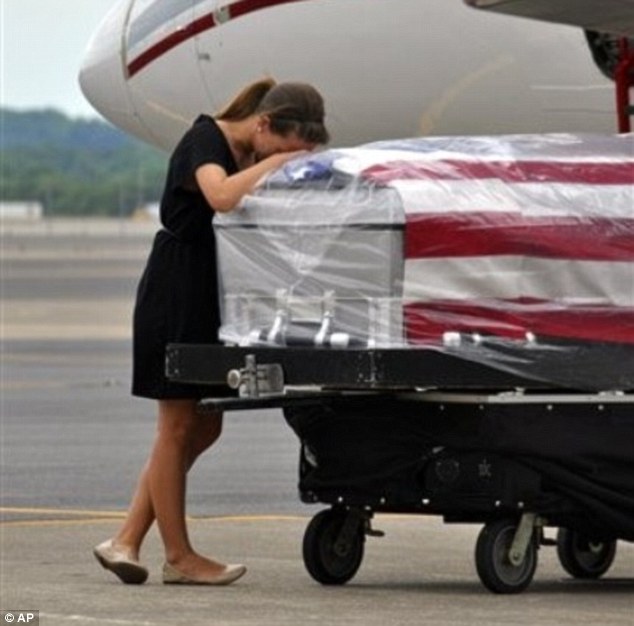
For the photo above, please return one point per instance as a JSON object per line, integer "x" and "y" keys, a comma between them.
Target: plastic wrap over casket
{"x": 513, "y": 251}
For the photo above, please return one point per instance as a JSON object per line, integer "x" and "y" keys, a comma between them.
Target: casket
{"x": 515, "y": 251}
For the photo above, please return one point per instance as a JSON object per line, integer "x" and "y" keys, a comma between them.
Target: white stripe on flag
{"x": 534, "y": 199}
{"x": 569, "y": 282}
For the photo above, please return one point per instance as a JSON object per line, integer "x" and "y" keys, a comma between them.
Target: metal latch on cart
{"x": 253, "y": 380}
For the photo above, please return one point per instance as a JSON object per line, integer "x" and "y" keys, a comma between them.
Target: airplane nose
{"x": 102, "y": 75}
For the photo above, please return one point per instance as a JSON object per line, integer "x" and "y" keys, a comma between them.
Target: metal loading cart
{"x": 516, "y": 461}
{"x": 448, "y": 325}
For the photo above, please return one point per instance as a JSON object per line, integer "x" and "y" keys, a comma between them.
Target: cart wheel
{"x": 329, "y": 558}
{"x": 583, "y": 558}
{"x": 495, "y": 570}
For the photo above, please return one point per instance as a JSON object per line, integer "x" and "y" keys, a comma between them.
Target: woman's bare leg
{"x": 139, "y": 518}
{"x": 205, "y": 431}
{"x": 166, "y": 480}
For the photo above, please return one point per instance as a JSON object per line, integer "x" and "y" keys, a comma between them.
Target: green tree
{"x": 76, "y": 166}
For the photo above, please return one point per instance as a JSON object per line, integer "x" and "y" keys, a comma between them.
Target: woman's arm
{"x": 224, "y": 192}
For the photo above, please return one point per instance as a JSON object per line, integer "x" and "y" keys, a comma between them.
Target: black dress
{"x": 177, "y": 297}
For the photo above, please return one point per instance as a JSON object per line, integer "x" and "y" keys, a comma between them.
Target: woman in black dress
{"x": 217, "y": 161}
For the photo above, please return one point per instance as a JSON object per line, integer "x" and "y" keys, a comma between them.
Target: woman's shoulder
{"x": 206, "y": 122}
{"x": 205, "y": 118}
{"x": 204, "y": 142}
{"x": 203, "y": 131}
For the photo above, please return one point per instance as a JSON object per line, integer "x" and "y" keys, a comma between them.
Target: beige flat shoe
{"x": 120, "y": 563}
{"x": 231, "y": 573}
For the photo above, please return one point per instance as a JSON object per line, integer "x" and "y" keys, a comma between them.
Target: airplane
{"x": 387, "y": 69}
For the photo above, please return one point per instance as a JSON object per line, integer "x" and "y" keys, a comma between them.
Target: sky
{"x": 41, "y": 47}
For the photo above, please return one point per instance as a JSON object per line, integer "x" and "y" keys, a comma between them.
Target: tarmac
{"x": 421, "y": 572}
{"x": 73, "y": 441}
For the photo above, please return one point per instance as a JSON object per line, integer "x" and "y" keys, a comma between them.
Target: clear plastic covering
{"x": 513, "y": 251}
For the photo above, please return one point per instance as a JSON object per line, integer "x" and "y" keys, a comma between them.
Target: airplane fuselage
{"x": 387, "y": 69}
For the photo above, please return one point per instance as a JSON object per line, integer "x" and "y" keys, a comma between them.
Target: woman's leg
{"x": 166, "y": 480}
{"x": 205, "y": 431}
{"x": 139, "y": 518}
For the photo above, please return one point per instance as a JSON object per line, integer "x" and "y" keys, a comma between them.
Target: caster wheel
{"x": 495, "y": 570}
{"x": 330, "y": 558}
{"x": 583, "y": 558}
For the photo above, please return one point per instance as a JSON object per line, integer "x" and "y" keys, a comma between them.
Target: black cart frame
{"x": 516, "y": 483}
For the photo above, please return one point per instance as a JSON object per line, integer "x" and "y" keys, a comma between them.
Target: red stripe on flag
{"x": 425, "y": 322}
{"x": 433, "y": 235}
{"x": 616, "y": 173}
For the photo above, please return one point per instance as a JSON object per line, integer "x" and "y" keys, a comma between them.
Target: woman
{"x": 214, "y": 165}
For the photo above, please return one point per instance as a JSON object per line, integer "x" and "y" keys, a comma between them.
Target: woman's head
{"x": 295, "y": 108}
{"x": 290, "y": 116}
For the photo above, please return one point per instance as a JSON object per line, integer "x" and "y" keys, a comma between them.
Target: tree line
{"x": 76, "y": 166}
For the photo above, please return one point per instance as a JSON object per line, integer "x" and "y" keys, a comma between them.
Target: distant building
{"x": 147, "y": 212}
{"x": 21, "y": 210}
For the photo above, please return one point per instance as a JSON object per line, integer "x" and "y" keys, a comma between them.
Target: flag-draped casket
{"x": 513, "y": 251}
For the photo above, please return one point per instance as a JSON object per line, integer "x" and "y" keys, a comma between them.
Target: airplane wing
{"x": 609, "y": 16}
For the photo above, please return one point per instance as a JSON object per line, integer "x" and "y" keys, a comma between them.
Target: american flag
{"x": 513, "y": 237}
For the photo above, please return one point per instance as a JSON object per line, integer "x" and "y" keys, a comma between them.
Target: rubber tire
{"x": 579, "y": 559}
{"x": 322, "y": 562}
{"x": 491, "y": 557}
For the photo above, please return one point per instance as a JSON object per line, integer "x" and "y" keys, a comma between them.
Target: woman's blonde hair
{"x": 291, "y": 108}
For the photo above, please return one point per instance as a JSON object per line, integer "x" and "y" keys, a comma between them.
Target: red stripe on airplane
{"x": 202, "y": 24}
{"x": 589, "y": 173}
{"x": 593, "y": 238}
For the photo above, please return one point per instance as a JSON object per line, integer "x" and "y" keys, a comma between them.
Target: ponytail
{"x": 247, "y": 102}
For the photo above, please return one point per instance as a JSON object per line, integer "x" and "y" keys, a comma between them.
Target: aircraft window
{"x": 605, "y": 49}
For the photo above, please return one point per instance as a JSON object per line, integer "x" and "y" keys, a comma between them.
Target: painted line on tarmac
{"x": 86, "y": 516}
{"x": 206, "y": 518}
{"x": 56, "y": 511}
{"x": 119, "y": 514}
{"x": 54, "y": 522}
{"x": 95, "y": 517}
